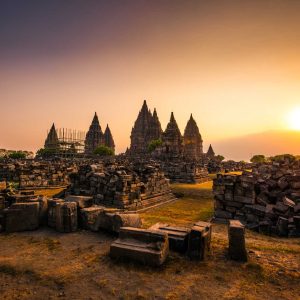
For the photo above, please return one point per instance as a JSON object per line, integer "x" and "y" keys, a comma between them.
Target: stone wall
{"x": 266, "y": 199}
{"x": 37, "y": 174}
{"x": 184, "y": 172}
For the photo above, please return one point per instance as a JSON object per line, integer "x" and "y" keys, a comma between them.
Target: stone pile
{"x": 266, "y": 199}
{"x": 184, "y": 172}
{"x": 37, "y": 174}
{"x": 114, "y": 185}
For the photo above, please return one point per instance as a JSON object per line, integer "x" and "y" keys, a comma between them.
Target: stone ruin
{"x": 37, "y": 174}
{"x": 26, "y": 211}
{"x": 126, "y": 187}
{"x": 66, "y": 142}
{"x": 266, "y": 200}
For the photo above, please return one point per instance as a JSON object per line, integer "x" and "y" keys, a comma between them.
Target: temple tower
{"x": 140, "y": 131}
{"x": 172, "y": 138}
{"x": 94, "y": 136}
{"x": 210, "y": 152}
{"x": 52, "y": 141}
{"x": 155, "y": 131}
{"x": 193, "y": 143}
{"x": 108, "y": 138}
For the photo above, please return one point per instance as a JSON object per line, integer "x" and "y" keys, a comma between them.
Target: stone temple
{"x": 147, "y": 128}
{"x": 57, "y": 140}
{"x": 95, "y": 137}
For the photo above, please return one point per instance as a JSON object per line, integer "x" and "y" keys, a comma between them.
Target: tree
{"x": 220, "y": 157}
{"x": 154, "y": 144}
{"x": 283, "y": 157}
{"x": 104, "y": 151}
{"x": 259, "y": 158}
{"x": 17, "y": 155}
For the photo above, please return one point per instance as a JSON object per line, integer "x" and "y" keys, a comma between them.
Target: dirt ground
{"x": 45, "y": 264}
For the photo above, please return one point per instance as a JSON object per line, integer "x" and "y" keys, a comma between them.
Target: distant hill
{"x": 268, "y": 143}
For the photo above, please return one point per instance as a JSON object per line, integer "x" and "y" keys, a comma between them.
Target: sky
{"x": 234, "y": 64}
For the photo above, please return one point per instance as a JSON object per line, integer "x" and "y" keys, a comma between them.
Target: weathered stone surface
{"x": 21, "y": 217}
{"x": 199, "y": 241}
{"x": 237, "y": 245}
{"x": 125, "y": 220}
{"x": 178, "y": 236}
{"x": 89, "y": 217}
{"x": 66, "y": 216}
{"x": 82, "y": 201}
{"x": 52, "y": 203}
{"x": 148, "y": 247}
{"x": 133, "y": 187}
{"x": 282, "y": 226}
{"x": 268, "y": 195}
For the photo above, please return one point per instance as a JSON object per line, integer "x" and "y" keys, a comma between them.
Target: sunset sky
{"x": 234, "y": 64}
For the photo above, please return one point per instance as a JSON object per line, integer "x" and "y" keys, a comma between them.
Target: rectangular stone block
{"x": 178, "y": 236}
{"x": 82, "y": 201}
{"x": 237, "y": 245}
{"x": 21, "y": 217}
{"x": 223, "y": 214}
{"x": 66, "y": 217}
{"x": 148, "y": 247}
{"x": 242, "y": 199}
{"x": 199, "y": 241}
{"x": 89, "y": 217}
{"x": 52, "y": 203}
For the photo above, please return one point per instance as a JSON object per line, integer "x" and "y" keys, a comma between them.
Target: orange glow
{"x": 294, "y": 119}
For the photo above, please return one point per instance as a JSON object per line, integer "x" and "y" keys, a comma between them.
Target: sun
{"x": 293, "y": 119}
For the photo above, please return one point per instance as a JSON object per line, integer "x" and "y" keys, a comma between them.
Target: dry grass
{"x": 184, "y": 211}
{"x": 48, "y": 192}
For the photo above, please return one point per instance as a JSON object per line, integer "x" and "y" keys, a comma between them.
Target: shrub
{"x": 104, "y": 151}
{"x": 43, "y": 152}
{"x": 154, "y": 144}
{"x": 17, "y": 155}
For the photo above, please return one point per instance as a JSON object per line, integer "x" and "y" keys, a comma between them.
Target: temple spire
{"x": 108, "y": 138}
{"x": 94, "y": 136}
{"x": 52, "y": 141}
{"x": 193, "y": 144}
{"x": 210, "y": 151}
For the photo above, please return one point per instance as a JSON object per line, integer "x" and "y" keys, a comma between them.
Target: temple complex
{"x": 70, "y": 142}
{"x": 147, "y": 128}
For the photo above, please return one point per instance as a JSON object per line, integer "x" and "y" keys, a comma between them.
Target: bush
{"x": 43, "y": 152}
{"x": 17, "y": 155}
{"x": 220, "y": 158}
{"x": 104, "y": 151}
{"x": 258, "y": 159}
{"x": 283, "y": 157}
{"x": 154, "y": 144}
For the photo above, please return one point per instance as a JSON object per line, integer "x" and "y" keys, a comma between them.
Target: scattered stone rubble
{"x": 266, "y": 199}
{"x": 151, "y": 246}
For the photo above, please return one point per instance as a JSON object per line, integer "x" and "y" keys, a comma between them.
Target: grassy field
{"x": 45, "y": 264}
{"x": 196, "y": 205}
